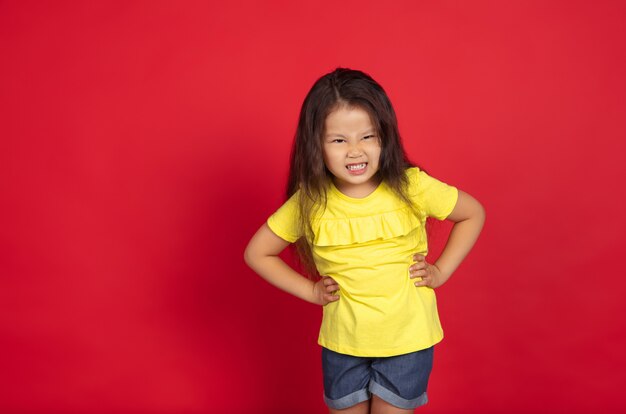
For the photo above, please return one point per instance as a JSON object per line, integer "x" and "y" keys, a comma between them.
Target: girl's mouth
{"x": 356, "y": 169}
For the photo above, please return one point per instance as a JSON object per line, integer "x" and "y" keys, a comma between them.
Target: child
{"x": 357, "y": 210}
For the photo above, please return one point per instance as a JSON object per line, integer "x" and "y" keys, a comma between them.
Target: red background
{"x": 142, "y": 144}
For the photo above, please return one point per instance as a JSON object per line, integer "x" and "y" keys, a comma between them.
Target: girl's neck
{"x": 357, "y": 191}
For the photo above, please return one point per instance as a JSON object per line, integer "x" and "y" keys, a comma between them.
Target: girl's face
{"x": 351, "y": 151}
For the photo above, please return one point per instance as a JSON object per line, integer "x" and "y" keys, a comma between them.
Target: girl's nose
{"x": 354, "y": 151}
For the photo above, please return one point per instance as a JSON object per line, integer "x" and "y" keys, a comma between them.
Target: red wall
{"x": 142, "y": 144}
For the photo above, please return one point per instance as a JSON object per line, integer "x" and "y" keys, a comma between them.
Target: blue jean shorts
{"x": 399, "y": 380}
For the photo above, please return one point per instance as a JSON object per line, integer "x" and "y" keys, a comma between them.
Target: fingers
{"x": 418, "y": 270}
{"x": 330, "y": 286}
{"x": 424, "y": 281}
{"x": 331, "y": 298}
{"x": 418, "y": 257}
{"x": 420, "y": 262}
{"x": 418, "y": 273}
{"x": 429, "y": 281}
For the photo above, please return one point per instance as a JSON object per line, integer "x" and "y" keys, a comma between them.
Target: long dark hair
{"x": 307, "y": 171}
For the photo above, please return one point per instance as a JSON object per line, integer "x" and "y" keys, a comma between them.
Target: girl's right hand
{"x": 323, "y": 289}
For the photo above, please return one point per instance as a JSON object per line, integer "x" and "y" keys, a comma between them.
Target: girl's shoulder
{"x": 414, "y": 176}
{"x": 420, "y": 178}
{"x": 412, "y": 172}
{"x": 434, "y": 197}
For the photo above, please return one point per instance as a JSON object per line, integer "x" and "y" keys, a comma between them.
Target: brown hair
{"x": 307, "y": 171}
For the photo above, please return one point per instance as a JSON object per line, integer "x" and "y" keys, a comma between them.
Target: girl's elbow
{"x": 480, "y": 213}
{"x": 254, "y": 254}
{"x": 475, "y": 210}
{"x": 248, "y": 255}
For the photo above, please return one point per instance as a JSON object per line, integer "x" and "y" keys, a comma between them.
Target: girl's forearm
{"x": 278, "y": 273}
{"x": 462, "y": 238}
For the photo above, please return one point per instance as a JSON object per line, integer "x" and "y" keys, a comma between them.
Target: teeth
{"x": 356, "y": 166}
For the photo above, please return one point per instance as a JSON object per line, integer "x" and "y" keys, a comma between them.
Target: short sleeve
{"x": 436, "y": 198}
{"x": 284, "y": 222}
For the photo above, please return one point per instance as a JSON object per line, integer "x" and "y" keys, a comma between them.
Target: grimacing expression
{"x": 351, "y": 149}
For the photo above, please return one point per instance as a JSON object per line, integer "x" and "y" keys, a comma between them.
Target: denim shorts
{"x": 399, "y": 380}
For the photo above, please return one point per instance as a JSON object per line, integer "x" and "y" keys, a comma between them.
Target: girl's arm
{"x": 262, "y": 256}
{"x": 469, "y": 217}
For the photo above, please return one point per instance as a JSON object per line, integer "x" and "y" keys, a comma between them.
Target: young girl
{"x": 357, "y": 211}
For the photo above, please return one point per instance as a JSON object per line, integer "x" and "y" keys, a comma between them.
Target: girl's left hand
{"x": 429, "y": 273}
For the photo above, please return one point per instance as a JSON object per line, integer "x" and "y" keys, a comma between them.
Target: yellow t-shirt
{"x": 367, "y": 245}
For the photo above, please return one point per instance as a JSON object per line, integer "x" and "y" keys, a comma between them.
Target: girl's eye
{"x": 338, "y": 140}
{"x": 369, "y": 136}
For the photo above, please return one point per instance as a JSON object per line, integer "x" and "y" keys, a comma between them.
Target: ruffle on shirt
{"x": 345, "y": 231}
